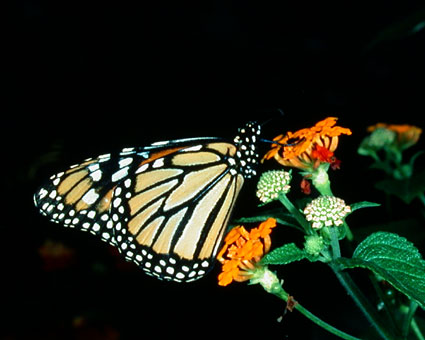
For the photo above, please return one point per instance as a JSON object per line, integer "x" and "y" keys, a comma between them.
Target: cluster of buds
{"x": 326, "y": 211}
{"x": 271, "y": 183}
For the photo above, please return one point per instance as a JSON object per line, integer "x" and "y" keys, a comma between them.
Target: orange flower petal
{"x": 225, "y": 278}
{"x": 233, "y": 235}
{"x": 265, "y": 228}
{"x": 300, "y": 154}
{"x": 240, "y": 256}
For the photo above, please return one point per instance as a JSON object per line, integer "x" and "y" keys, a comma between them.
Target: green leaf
{"x": 406, "y": 189}
{"x": 363, "y": 204}
{"x": 286, "y": 254}
{"x": 281, "y": 217}
{"x": 395, "y": 259}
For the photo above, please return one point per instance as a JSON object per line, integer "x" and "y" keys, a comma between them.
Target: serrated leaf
{"x": 363, "y": 204}
{"x": 286, "y": 254}
{"x": 395, "y": 259}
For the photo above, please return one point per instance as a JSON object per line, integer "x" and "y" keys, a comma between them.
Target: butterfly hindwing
{"x": 80, "y": 197}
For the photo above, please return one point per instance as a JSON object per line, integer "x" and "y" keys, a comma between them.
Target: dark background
{"x": 83, "y": 78}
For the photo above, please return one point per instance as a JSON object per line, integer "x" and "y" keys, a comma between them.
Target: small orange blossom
{"x": 243, "y": 250}
{"x": 307, "y": 148}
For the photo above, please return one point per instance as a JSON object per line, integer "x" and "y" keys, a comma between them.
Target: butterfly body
{"x": 164, "y": 206}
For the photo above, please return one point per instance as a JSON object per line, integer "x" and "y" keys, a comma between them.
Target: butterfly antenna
{"x": 281, "y": 144}
{"x": 281, "y": 114}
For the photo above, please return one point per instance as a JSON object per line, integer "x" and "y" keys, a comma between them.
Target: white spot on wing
{"x": 180, "y": 275}
{"x": 42, "y": 193}
{"x": 96, "y": 175}
{"x": 160, "y": 143}
{"x": 90, "y": 196}
{"x": 127, "y": 151}
{"x": 120, "y": 174}
{"x": 117, "y": 202}
{"x": 125, "y": 162}
{"x": 193, "y": 148}
{"x": 142, "y": 168}
{"x": 93, "y": 167}
{"x": 158, "y": 163}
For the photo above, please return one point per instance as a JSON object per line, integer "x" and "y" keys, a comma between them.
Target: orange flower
{"x": 243, "y": 250}
{"x": 406, "y": 135}
{"x": 307, "y": 148}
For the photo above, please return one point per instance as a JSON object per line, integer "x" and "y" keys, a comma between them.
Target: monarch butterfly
{"x": 164, "y": 206}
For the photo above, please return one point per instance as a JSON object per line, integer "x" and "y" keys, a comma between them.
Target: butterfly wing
{"x": 80, "y": 197}
{"x": 165, "y": 206}
{"x": 170, "y": 215}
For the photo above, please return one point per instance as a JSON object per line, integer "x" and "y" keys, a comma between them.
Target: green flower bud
{"x": 271, "y": 183}
{"x": 314, "y": 244}
{"x": 380, "y": 138}
{"x": 326, "y": 211}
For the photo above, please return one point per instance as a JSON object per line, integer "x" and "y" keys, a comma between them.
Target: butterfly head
{"x": 246, "y": 141}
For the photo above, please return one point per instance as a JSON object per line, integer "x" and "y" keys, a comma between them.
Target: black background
{"x": 83, "y": 78}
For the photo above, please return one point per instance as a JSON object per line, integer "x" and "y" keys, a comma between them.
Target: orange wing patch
{"x": 105, "y": 202}
{"x": 161, "y": 154}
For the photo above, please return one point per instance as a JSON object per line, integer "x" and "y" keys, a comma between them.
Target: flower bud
{"x": 314, "y": 244}
{"x": 271, "y": 183}
{"x": 326, "y": 211}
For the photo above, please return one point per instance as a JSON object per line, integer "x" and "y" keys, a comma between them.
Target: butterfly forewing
{"x": 172, "y": 213}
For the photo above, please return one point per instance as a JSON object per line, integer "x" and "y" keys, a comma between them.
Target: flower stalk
{"x": 360, "y": 300}
{"x": 295, "y": 213}
{"x": 320, "y": 180}
{"x": 270, "y": 282}
{"x": 336, "y": 251}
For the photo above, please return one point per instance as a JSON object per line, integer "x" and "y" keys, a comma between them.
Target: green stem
{"x": 320, "y": 180}
{"x": 323, "y": 324}
{"x": 336, "y": 251}
{"x": 410, "y": 323}
{"x": 284, "y": 296}
{"x": 352, "y": 288}
{"x": 270, "y": 283}
{"x": 386, "y": 303}
{"x": 295, "y": 212}
{"x": 361, "y": 301}
{"x": 416, "y": 330}
{"x": 375, "y": 156}
{"x": 408, "y": 318}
